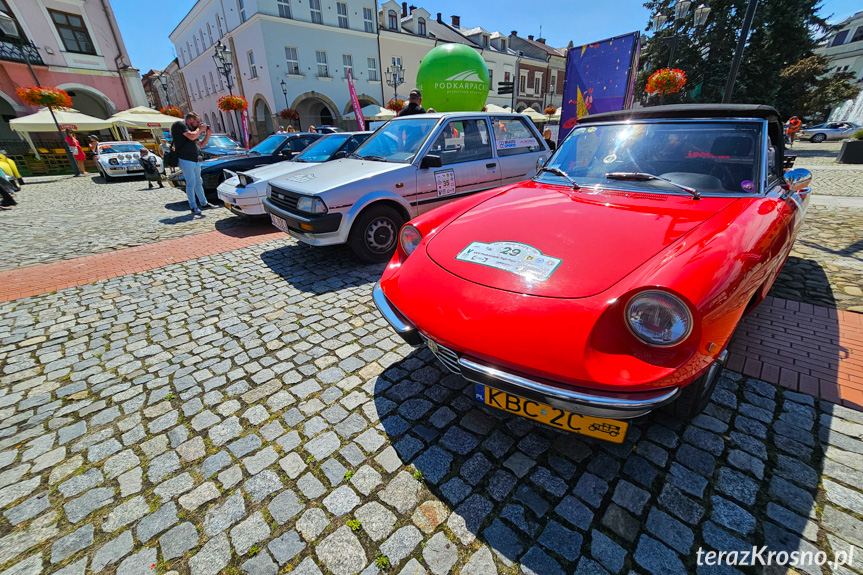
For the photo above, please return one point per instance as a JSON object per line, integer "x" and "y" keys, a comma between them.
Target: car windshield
{"x": 269, "y": 146}
{"x": 711, "y": 157}
{"x": 120, "y": 148}
{"x": 222, "y": 142}
{"x": 323, "y": 149}
{"x": 397, "y": 140}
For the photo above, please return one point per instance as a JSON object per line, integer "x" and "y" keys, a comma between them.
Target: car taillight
{"x": 658, "y": 318}
{"x": 410, "y": 239}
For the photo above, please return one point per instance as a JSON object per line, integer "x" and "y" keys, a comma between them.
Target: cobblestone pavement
{"x": 251, "y": 412}
{"x": 62, "y": 217}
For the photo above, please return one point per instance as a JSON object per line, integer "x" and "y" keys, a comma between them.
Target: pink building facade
{"x": 74, "y": 45}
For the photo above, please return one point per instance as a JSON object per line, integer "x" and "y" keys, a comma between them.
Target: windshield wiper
{"x": 372, "y": 158}
{"x": 562, "y": 174}
{"x": 300, "y": 160}
{"x": 642, "y": 177}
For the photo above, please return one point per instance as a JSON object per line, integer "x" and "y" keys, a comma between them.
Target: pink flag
{"x": 361, "y": 122}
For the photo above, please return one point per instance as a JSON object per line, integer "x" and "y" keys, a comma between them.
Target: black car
{"x": 276, "y": 148}
{"x": 220, "y": 145}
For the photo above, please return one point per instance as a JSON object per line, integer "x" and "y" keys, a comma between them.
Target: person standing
{"x": 281, "y": 130}
{"x": 72, "y": 141}
{"x": 151, "y": 172}
{"x": 93, "y": 144}
{"x": 312, "y": 129}
{"x": 546, "y": 135}
{"x": 792, "y": 128}
{"x": 185, "y": 135}
{"x": 415, "y": 100}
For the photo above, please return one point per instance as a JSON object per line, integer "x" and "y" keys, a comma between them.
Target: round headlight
{"x": 410, "y": 239}
{"x": 658, "y": 318}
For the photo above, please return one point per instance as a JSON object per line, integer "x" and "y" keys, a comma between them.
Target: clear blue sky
{"x": 146, "y": 25}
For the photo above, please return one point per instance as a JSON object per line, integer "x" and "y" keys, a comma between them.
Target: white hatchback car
{"x": 120, "y": 159}
{"x": 243, "y": 193}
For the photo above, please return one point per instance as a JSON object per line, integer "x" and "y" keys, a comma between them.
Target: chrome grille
{"x": 447, "y": 357}
{"x": 284, "y": 199}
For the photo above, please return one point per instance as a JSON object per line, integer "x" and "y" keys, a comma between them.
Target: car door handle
{"x": 491, "y": 165}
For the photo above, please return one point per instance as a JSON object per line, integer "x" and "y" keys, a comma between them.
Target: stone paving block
{"x": 286, "y": 547}
{"x": 285, "y": 506}
{"x": 27, "y": 509}
{"x": 96, "y": 498}
{"x": 341, "y": 552}
{"x": 179, "y": 540}
{"x": 156, "y": 522}
{"x": 70, "y": 544}
{"x": 249, "y": 532}
{"x": 609, "y": 554}
{"x": 467, "y": 517}
{"x": 213, "y": 556}
{"x": 312, "y": 522}
{"x": 125, "y": 513}
{"x": 480, "y": 563}
{"x": 401, "y": 544}
{"x": 198, "y": 496}
{"x": 537, "y": 562}
{"x": 112, "y": 552}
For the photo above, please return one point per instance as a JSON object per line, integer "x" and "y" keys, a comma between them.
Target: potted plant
{"x": 852, "y": 150}
{"x": 665, "y": 81}
{"x": 550, "y": 110}
{"x": 396, "y": 105}
{"x": 50, "y": 98}
{"x": 233, "y": 104}
{"x": 171, "y": 111}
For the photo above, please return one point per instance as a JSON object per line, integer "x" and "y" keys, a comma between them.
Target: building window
{"x": 197, "y": 49}
{"x": 342, "y": 9}
{"x": 210, "y": 33}
{"x": 506, "y": 77}
{"x": 242, "y": 5}
{"x": 537, "y": 82}
{"x": 552, "y": 80}
{"x": 858, "y": 34}
{"x": 393, "y": 20}
{"x": 491, "y": 79}
{"x": 253, "y": 70}
{"x": 503, "y": 45}
{"x": 373, "y": 69}
{"x": 293, "y": 61}
{"x": 284, "y": 8}
{"x": 368, "y": 18}
{"x": 219, "y": 26}
{"x": 397, "y": 61}
{"x": 522, "y": 82}
{"x": 323, "y": 69}
{"x": 206, "y": 87}
{"x": 840, "y": 38}
{"x": 317, "y": 15}
{"x": 4, "y": 7}
{"x": 191, "y": 93}
{"x": 73, "y": 32}
{"x": 421, "y": 27}
{"x": 198, "y": 86}
{"x": 348, "y": 63}
{"x": 484, "y": 41}
{"x": 213, "y": 82}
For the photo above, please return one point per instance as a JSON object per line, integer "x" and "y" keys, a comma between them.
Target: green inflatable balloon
{"x": 453, "y": 78}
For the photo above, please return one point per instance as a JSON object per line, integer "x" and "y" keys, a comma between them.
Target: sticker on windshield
{"x": 514, "y": 257}
{"x": 515, "y": 143}
{"x": 302, "y": 178}
{"x": 445, "y": 182}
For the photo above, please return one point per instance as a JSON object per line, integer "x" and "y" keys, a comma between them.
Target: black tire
{"x": 818, "y": 138}
{"x": 695, "y": 396}
{"x": 375, "y": 234}
{"x": 105, "y": 176}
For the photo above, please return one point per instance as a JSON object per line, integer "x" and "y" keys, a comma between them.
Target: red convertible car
{"x": 611, "y": 283}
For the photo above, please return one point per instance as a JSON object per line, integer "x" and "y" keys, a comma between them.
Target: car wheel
{"x": 105, "y": 175}
{"x": 818, "y": 138}
{"x": 695, "y": 396}
{"x": 374, "y": 234}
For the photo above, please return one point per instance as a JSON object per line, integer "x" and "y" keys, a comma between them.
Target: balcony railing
{"x": 11, "y": 51}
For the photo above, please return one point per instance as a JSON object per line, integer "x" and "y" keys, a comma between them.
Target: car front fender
{"x": 375, "y": 197}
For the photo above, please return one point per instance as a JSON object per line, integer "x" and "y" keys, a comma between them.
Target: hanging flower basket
{"x": 289, "y": 114}
{"x": 233, "y": 104}
{"x": 171, "y": 111}
{"x": 396, "y": 105}
{"x": 550, "y": 110}
{"x": 41, "y": 96}
{"x": 666, "y": 81}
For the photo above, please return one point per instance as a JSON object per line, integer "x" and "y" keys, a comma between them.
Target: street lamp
{"x": 284, "y": 86}
{"x": 10, "y": 28}
{"x": 395, "y": 78}
{"x": 222, "y": 57}
{"x": 163, "y": 78}
{"x": 681, "y": 11}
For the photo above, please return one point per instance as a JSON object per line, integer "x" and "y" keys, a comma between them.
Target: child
{"x": 151, "y": 172}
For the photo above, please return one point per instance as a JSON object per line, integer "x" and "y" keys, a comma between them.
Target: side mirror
{"x": 430, "y": 161}
{"x": 798, "y": 179}
{"x": 340, "y": 154}
{"x": 540, "y": 161}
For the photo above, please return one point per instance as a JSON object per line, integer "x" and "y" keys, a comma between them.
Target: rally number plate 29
{"x": 600, "y": 428}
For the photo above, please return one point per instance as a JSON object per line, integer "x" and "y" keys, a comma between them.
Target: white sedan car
{"x": 119, "y": 159}
{"x": 244, "y": 192}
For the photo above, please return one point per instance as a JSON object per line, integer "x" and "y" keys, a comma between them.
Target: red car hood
{"x": 590, "y": 240}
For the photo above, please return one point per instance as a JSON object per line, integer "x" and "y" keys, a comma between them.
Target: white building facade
{"x": 844, "y": 48}
{"x": 307, "y": 44}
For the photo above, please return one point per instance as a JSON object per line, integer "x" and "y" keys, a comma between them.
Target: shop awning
{"x": 142, "y": 118}
{"x": 42, "y": 121}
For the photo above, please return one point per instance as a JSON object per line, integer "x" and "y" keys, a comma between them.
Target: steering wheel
{"x": 725, "y": 176}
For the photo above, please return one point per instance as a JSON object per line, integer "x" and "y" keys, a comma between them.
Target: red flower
{"x": 666, "y": 81}
{"x": 550, "y": 110}
{"x": 289, "y": 114}
{"x": 172, "y": 111}
{"x": 42, "y": 96}
{"x": 233, "y": 103}
{"x": 396, "y": 105}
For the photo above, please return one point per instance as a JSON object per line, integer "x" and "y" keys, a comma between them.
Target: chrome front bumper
{"x": 577, "y": 400}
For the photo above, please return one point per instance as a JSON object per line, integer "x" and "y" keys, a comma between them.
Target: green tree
{"x": 783, "y": 32}
{"x": 812, "y": 91}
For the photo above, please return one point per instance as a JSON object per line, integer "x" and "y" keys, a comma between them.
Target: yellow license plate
{"x": 227, "y": 205}
{"x": 600, "y": 428}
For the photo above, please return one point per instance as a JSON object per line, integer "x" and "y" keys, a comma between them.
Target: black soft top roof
{"x": 675, "y": 111}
